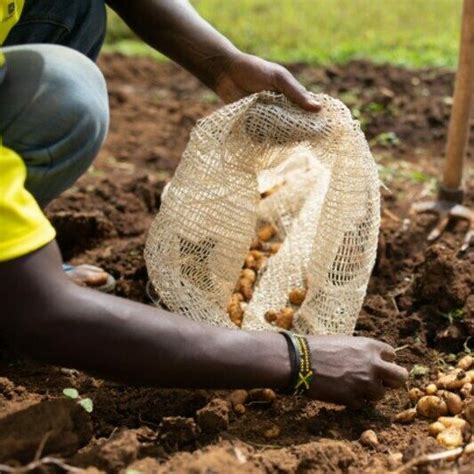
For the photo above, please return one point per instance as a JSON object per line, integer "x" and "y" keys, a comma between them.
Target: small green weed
{"x": 85, "y": 403}
{"x": 419, "y": 371}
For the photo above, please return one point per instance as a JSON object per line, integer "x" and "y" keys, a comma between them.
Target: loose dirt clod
{"x": 178, "y": 429}
{"x": 214, "y": 416}
{"x": 369, "y": 438}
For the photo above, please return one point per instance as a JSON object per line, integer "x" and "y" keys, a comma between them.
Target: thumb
{"x": 286, "y": 83}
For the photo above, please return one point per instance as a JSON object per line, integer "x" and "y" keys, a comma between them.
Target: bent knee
{"x": 80, "y": 97}
{"x": 64, "y": 97}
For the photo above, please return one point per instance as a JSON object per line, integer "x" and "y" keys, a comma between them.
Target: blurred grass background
{"x": 412, "y": 33}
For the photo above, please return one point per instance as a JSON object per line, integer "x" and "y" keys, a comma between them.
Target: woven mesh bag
{"x": 326, "y": 210}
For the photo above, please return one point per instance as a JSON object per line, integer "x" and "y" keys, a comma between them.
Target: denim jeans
{"x": 78, "y": 24}
{"x": 53, "y": 100}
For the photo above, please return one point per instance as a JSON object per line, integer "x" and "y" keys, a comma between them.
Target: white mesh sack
{"x": 325, "y": 206}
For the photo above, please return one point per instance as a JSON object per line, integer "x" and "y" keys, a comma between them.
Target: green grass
{"x": 412, "y": 33}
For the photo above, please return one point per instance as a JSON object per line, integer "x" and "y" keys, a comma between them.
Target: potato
{"x": 250, "y": 262}
{"x": 469, "y": 412}
{"x": 271, "y": 315}
{"x": 297, "y": 296}
{"x": 238, "y": 397}
{"x": 274, "y": 248}
{"x": 454, "y": 421}
{"x": 431, "y": 389}
{"x": 263, "y": 395}
{"x": 239, "y": 409}
{"x": 245, "y": 287}
{"x": 369, "y": 438}
{"x": 431, "y": 406}
{"x": 450, "y": 438}
{"x": 469, "y": 448}
{"x": 465, "y": 362}
{"x": 454, "y": 380}
{"x": 249, "y": 274}
{"x": 266, "y": 232}
{"x": 406, "y": 416}
{"x": 470, "y": 376}
{"x": 454, "y": 403}
{"x": 261, "y": 262}
{"x": 256, "y": 245}
{"x": 284, "y": 318}
{"x": 466, "y": 390}
{"x": 414, "y": 394}
{"x": 234, "y": 310}
{"x": 435, "y": 428}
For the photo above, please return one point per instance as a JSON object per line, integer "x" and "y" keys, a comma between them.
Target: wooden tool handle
{"x": 463, "y": 90}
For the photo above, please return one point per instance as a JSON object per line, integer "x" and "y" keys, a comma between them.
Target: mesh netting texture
{"x": 326, "y": 211}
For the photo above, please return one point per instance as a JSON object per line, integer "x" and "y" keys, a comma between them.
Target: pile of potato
{"x": 449, "y": 403}
{"x": 262, "y": 248}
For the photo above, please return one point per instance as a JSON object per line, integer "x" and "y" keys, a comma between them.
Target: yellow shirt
{"x": 23, "y": 227}
{"x": 10, "y": 12}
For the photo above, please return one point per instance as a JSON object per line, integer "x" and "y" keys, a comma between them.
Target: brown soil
{"x": 420, "y": 297}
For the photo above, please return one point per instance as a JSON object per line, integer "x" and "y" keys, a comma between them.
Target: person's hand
{"x": 245, "y": 74}
{"x": 352, "y": 370}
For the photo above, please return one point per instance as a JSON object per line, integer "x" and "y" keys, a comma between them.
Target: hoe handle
{"x": 459, "y": 122}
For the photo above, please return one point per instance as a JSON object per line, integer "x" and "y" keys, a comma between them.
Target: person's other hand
{"x": 352, "y": 370}
{"x": 245, "y": 74}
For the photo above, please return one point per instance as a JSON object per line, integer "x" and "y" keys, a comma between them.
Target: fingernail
{"x": 314, "y": 104}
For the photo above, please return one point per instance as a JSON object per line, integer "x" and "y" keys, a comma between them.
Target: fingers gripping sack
{"x": 257, "y": 162}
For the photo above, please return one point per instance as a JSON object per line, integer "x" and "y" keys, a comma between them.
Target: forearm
{"x": 63, "y": 324}
{"x": 176, "y": 29}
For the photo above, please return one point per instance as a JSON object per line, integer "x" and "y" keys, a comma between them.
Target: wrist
{"x": 215, "y": 67}
{"x": 301, "y": 365}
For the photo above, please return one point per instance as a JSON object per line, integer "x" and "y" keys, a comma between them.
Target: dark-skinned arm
{"x": 174, "y": 28}
{"x": 54, "y": 320}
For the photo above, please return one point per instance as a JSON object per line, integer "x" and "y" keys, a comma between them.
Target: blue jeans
{"x": 53, "y": 101}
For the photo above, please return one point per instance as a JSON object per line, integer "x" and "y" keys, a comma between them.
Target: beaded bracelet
{"x": 300, "y": 360}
